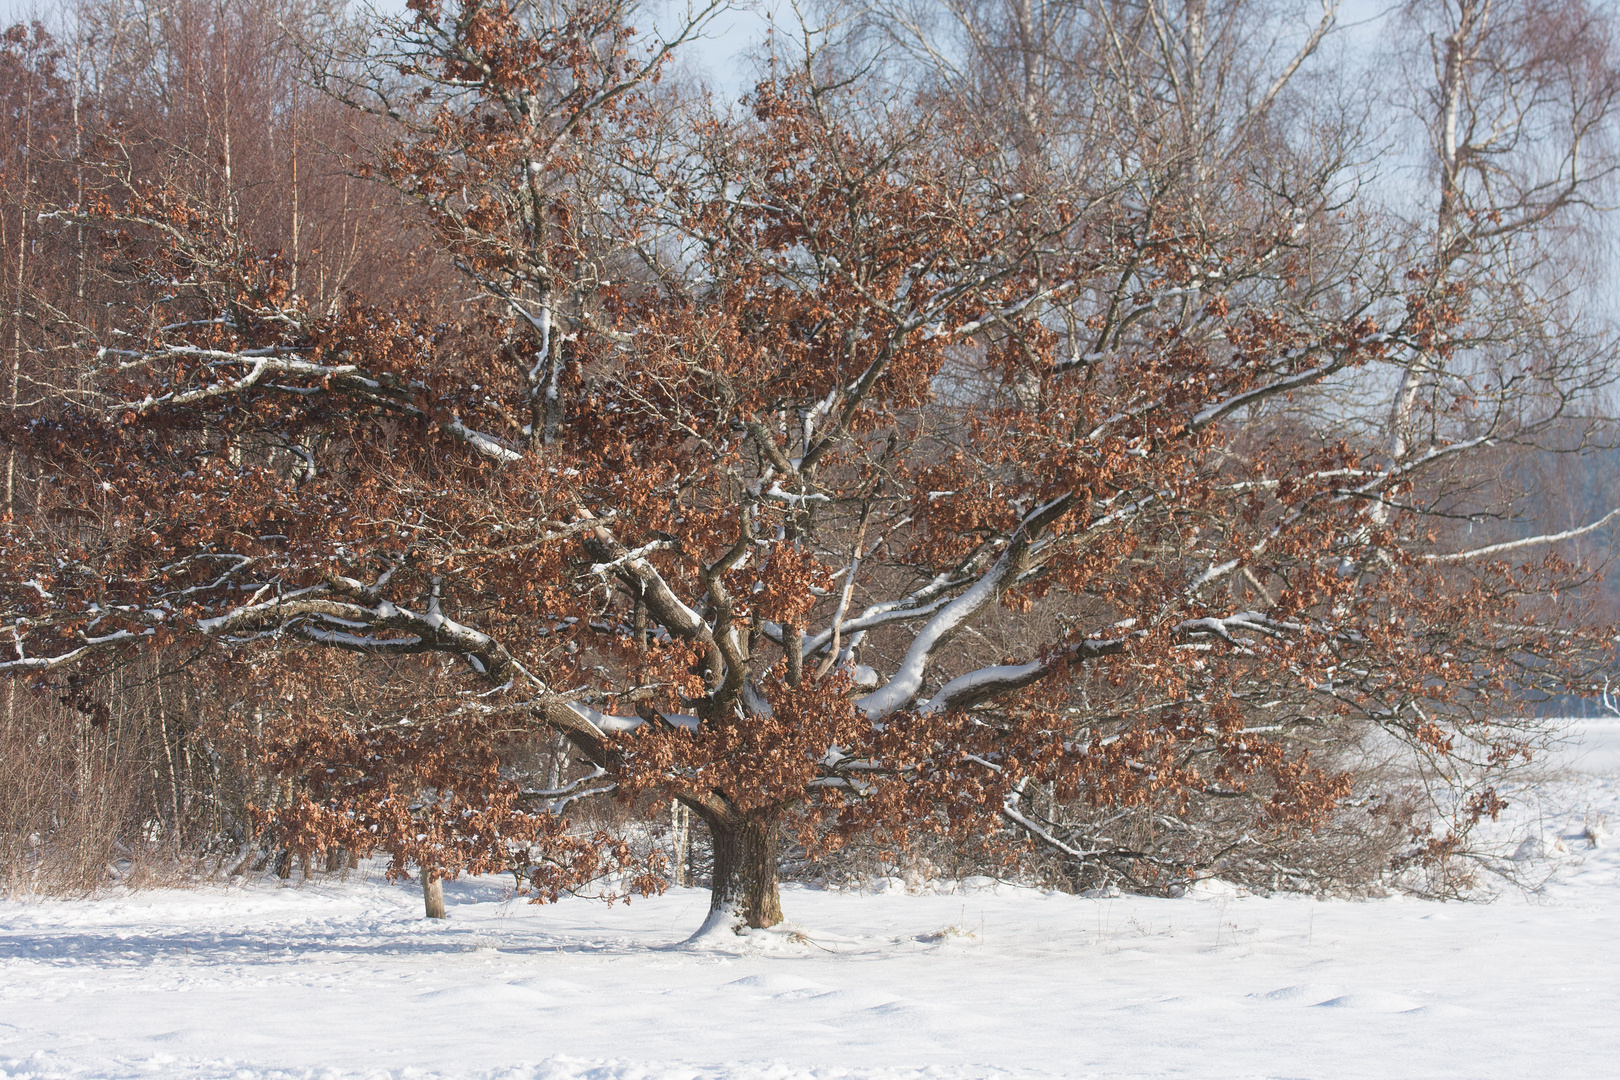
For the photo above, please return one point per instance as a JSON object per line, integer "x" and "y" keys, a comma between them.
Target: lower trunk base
{"x": 745, "y": 879}
{"x": 432, "y": 894}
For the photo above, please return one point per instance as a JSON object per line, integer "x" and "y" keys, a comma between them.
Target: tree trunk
{"x": 432, "y": 894}
{"x": 680, "y": 827}
{"x": 745, "y": 849}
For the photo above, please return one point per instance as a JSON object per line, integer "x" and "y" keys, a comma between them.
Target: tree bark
{"x": 745, "y": 851}
{"x": 432, "y": 894}
{"x": 680, "y": 821}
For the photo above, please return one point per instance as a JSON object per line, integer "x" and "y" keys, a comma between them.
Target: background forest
{"x": 1108, "y": 443}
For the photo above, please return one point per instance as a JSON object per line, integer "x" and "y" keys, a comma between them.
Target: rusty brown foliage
{"x": 832, "y": 467}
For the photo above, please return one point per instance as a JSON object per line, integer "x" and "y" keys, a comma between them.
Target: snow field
{"x": 342, "y": 981}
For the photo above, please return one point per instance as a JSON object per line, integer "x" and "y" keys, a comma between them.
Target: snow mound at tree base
{"x": 724, "y": 931}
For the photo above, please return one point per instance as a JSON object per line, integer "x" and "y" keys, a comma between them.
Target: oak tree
{"x": 822, "y": 466}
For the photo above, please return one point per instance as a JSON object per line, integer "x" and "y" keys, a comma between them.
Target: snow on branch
{"x": 281, "y": 361}
{"x": 46, "y": 663}
{"x": 349, "y": 623}
{"x": 607, "y": 723}
{"x": 918, "y": 604}
{"x": 904, "y": 686}
{"x": 1243, "y": 621}
{"x": 989, "y": 682}
{"x": 1526, "y": 542}
{"x": 488, "y": 445}
{"x": 670, "y": 610}
{"x": 1213, "y": 412}
{"x": 559, "y": 799}
{"x": 1009, "y": 810}
{"x": 629, "y": 557}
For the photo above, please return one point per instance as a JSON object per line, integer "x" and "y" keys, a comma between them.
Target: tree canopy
{"x": 890, "y": 453}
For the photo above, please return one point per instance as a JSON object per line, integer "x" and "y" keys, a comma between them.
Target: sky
{"x": 721, "y": 57}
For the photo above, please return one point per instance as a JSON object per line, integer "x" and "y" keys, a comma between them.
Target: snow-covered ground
{"x": 347, "y": 980}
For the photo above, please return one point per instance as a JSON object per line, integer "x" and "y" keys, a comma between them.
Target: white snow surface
{"x": 345, "y": 980}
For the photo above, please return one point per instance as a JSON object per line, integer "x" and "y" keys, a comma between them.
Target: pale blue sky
{"x": 721, "y": 55}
